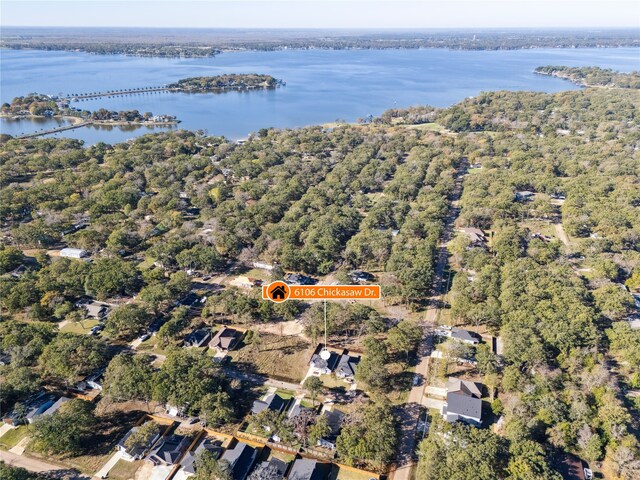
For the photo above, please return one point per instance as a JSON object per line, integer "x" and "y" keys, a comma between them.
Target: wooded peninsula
{"x": 592, "y": 76}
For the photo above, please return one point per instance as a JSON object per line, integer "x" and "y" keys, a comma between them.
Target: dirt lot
{"x": 275, "y": 356}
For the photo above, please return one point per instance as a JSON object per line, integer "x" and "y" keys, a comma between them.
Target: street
{"x": 411, "y": 410}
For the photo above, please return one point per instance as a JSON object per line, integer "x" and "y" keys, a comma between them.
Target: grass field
{"x": 81, "y": 328}
{"x": 124, "y": 470}
{"x": 13, "y": 437}
{"x": 284, "y": 357}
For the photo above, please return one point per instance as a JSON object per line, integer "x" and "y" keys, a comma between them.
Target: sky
{"x": 416, "y": 14}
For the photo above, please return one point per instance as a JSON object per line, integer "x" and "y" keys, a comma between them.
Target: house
{"x": 31, "y": 409}
{"x": 299, "y": 279}
{"x": 309, "y": 469}
{"x": 197, "y": 338}
{"x": 169, "y": 450}
{"x": 136, "y": 453}
{"x": 225, "y": 340}
{"x": 475, "y": 235}
{"x": 188, "y": 462}
{"x": 56, "y": 406}
{"x": 272, "y": 402}
{"x": 73, "y": 253}
{"x": 93, "y": 381}
{"x": 335, "y": 419}
{"x": 463, "y": 402}
{"x": 465, "y": 336}
{"x": 524, "y": 195}
{"x": 190, "y": 300}
{"x": 360, "y": 276}
{"x": 274, "y": 469}
{"x": 346, "y": 368}
{"x": 241, "y": 459}
{"x": 322, "y": 366}
{"x": 93, "y": 308}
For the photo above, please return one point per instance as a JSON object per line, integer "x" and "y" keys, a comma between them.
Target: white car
{"x": 144, "y": 336}
{"x": 588, "y": 474}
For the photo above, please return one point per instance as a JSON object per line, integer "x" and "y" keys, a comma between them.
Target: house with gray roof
{"x": 322, "y": 366}
{"x": 346, "y": 368}
{"x": 197, "y": 338}
{"x": 207, "y": 445}
{"x": 271, "y": 402}
{"x": 274, "y": 469}
{"x": 309, "y": 469}
{"x": 463, "y": 402}
{"x": 241, "y": 459}
{"x": 335, "y": 419}
{"x": 465, "y": 336}
{"x": 136, "y": 453}
{"x": 225, "y": 339}
{"x": 169, "y": 450}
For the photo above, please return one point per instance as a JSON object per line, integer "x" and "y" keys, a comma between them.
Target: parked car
{"x": 588, "y": 474}
{"x": 144, "y": 336}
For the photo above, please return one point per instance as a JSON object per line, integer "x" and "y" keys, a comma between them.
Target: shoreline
{"x": 78, "y": 120}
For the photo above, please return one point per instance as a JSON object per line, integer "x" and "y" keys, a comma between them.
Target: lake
{"x": 321, "y": 85}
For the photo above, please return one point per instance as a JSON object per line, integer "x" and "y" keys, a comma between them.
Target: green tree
{"x": 129, "y": 377}
{"x": 70, "y": 356}
{"x": 127, "y": 321}
{"x": 69, "y": 432}
{"x": 110, "y": 276}
{"x": 315, "y": 386}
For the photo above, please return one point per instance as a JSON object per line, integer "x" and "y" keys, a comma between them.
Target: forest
{"x": 325, "y": 201}
{"x": 593, "y": 76}
{"x": 223, "y": 83}
{"x": 208, "y": 43}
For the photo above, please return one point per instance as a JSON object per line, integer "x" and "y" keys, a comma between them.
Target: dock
{"x": 117, "y": 93}
{"x": 55, "y": 130}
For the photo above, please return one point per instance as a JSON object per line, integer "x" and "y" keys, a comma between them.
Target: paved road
{"x": 411, "y": 410}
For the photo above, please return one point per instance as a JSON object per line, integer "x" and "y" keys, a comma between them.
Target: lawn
{"x": 124, "y": 470}
{"x": 81, "y": 328}
{"x": 278, "y": 357}
{"x": 331, "y": 381}
{"x": 13, "y": 437}
{"x": 338, "y": 473}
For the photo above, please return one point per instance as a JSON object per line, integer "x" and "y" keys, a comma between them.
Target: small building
{"x": 137, "y": 452}
{"x": 34, "y": 407}
{"x": 463, "y": 402}
{"x": 92, "y": 381}
{"x": 225, "y": 340}
{"x": 524, "y": 195}
{"x": 198, "y": 338}
{"x": 299, "y": 279}
{"x": 346, "y": 368}
{"x": 272, "y": 402}
{"x": 73, "y": 253}
{"x": 309, "y": 469}
{"x": 465, "y": 336}
{"x": 169, "y": 450}
{"x": 188, "y": 461}
{"x": 324, "y": 367}
{"x": 241, "y": 459}
{"x": 360, "y": 276}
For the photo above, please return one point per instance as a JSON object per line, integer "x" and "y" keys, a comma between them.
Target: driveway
{"x": 102, "y": 473}
{"x": 38, "y": 466}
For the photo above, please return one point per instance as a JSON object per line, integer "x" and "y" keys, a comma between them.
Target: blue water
{"x": 322, "y": 85}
